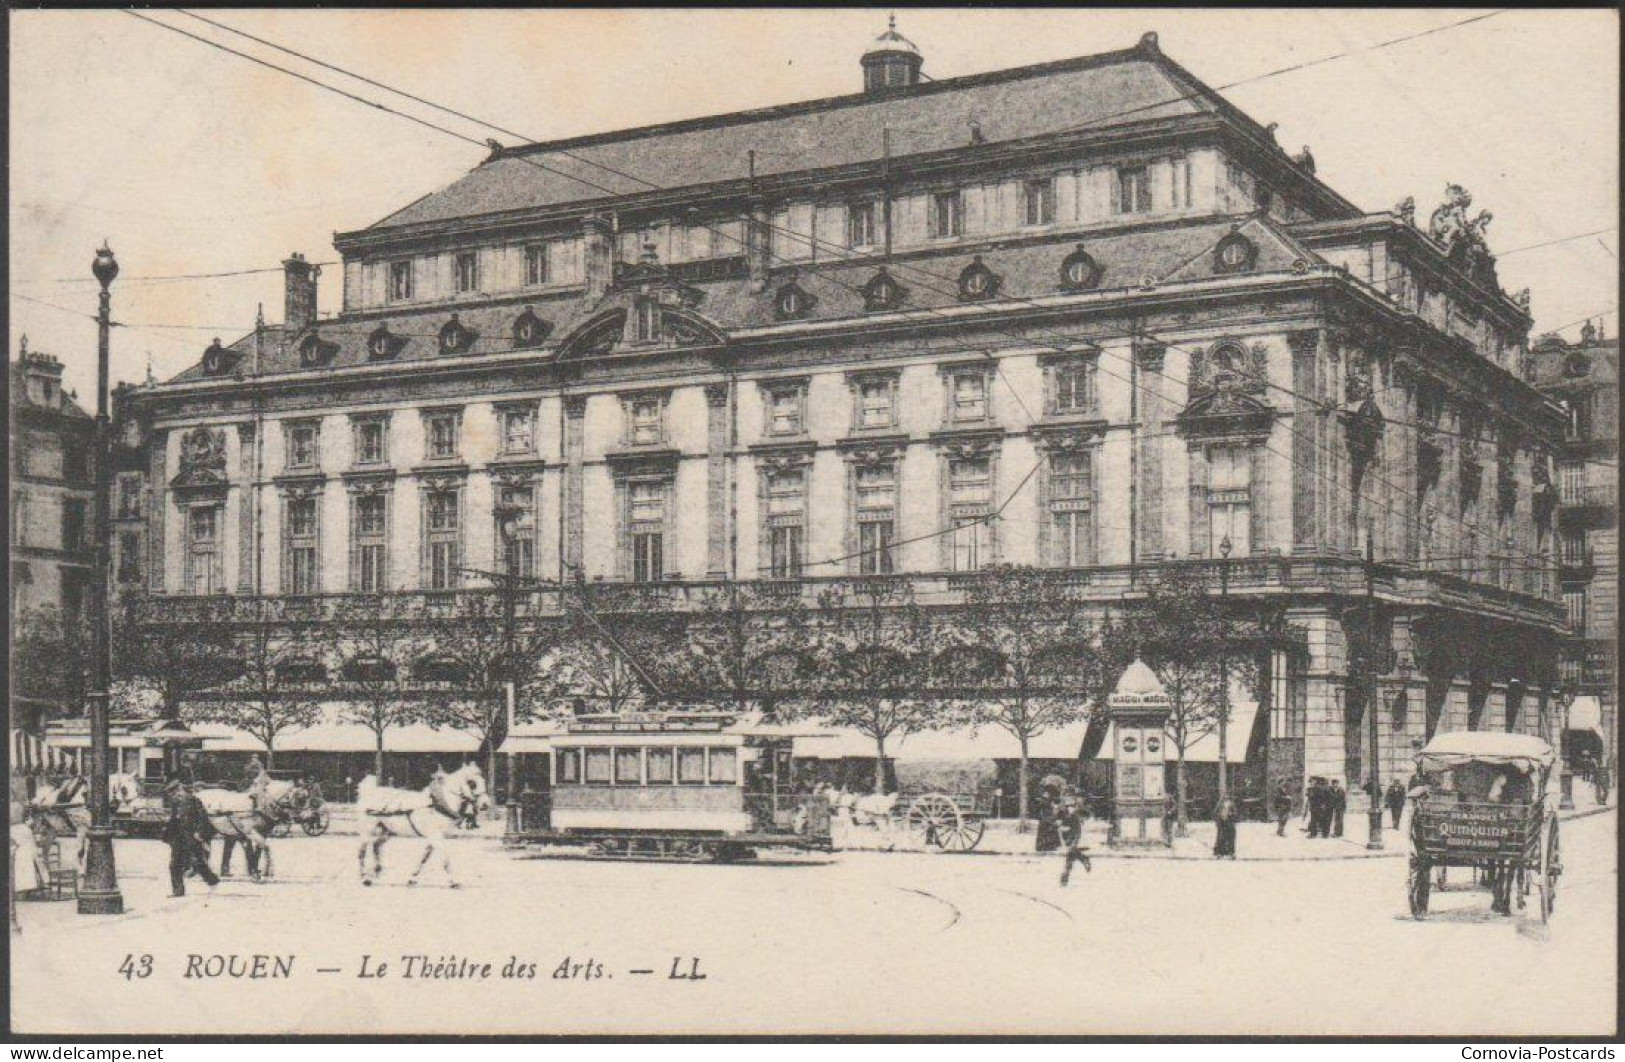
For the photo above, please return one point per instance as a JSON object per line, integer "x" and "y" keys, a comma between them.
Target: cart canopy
{"x": 1458, "y": 748}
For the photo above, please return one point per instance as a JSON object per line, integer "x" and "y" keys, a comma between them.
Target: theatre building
{"x": 830, "y": 338}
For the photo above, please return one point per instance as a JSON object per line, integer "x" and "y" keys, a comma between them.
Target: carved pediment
{"x": 203, "y": 460}
{"x": 1225, "y": 413}
{"x": 1229, "y": 366}
{"x": 1068, "y": 438}
{"x": 617, "y": 327}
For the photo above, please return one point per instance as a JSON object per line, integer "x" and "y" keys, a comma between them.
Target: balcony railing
{"x": 1588, "y": 495}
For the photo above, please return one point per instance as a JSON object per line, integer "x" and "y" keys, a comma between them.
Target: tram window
{"x": 691, "y": 766}
{"x": 597, "y": 766}
{"x": 724, "y": 768}
{"x": 660, "y": 767}
{"x": 569, "y": 766}
{"x": 628, "y": 766}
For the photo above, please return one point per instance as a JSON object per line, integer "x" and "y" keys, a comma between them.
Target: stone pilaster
{"x": 575, "y": 422}
{"x": 1306, "y": 428}
{"x": 718, "y": 439}
{"x": 1149, "y": 358}
{"x": 157, "y": 508}
{"x": 247, "y": 444}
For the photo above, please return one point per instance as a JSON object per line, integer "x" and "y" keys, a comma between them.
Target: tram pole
{"x": 99, "y": 894}
{"x": 1373, "y": 786}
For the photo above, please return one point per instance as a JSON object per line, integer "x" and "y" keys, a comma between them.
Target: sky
{"x": 189, "y": 160}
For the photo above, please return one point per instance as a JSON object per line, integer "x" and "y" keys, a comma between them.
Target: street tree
{"x": 278, "y": 690}
{"x": 872, "y": 649}
{"x": 745, "y": 644}
{"x": 1183, "y": 632}
{"x": 375, "y": 653}
{"x": 1023, "y": 657}
{"x": 166, "y": 655}
{"x": 50, "y": 657}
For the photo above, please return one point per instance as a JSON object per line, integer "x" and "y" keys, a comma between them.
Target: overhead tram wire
{"x": 1071, "y": 344}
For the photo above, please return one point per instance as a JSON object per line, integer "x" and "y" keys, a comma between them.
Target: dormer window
{"x": 882, "y": 292}
{"x": 467, "y": 272}
{"x": 455, "y": 338}
{"x": 400, "y": 280}
{"x": 529, "y": 330}
{"x": 381, "y": 345}
{"x": 646, "y": 321}
{"x": 792, "y": 302}
{"x": 1080, "y": 272}
{"x": 1235, "y": 254}
{"x": 217, "y": 359}
{"x": 978, "y": 282}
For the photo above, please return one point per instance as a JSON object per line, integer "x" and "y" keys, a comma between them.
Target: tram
{"x": 683, "y": 785}
{"x": 143, "y": 756}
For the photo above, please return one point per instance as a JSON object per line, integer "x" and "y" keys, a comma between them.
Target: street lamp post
{"x": 1224, "y": 668}
{"x": 1373, "y": 786}
{"x": 99, "y": 894}
{"x": 1565, "y": 773}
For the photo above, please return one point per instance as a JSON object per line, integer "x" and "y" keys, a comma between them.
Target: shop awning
{"x": 982, "y": 743}
{"x": 334, "y": 734}
{"x": 1586, "y": 714}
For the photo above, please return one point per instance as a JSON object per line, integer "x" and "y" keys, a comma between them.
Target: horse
{"x": 64, "y": 809}
{"x": 429, "y": 813}
{"x": 249, "y": 818}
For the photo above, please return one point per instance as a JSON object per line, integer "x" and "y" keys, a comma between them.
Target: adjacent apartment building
{"x": 835, "y": 338}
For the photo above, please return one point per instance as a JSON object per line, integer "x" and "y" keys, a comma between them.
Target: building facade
{"x": 1583, "y": 378}
{"x": 1083, "y": 315}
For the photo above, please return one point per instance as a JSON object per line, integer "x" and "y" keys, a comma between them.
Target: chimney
{"x": 758, "y": 245}
{"x": 299, "y": 305}
{"x": 42, "y": 376}
{"x": 600, "y": 255}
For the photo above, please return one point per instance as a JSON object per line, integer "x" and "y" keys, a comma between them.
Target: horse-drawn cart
{"x": 929, "y": 818}
{"x": 1483, "y": 805}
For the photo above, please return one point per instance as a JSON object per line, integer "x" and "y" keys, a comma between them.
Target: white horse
{"x": 429, "y": 813}
{"x": 64, "y": 808}
{"x": 249, "y": 818}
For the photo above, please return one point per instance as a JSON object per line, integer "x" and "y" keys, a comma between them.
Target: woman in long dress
{"x": 27, "y": 871}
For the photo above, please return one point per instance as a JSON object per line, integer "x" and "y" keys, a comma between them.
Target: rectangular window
{"x": 467, "y": 270}
{"x": 1071, "y": 487}
{"x": 516, "y": 526}
{"x": 129, "y": 557}
{"x": 647, "y": 421}
{"x": 970, "y": 493}
{"x": 1038, "y": 198}
{"x": 536, "y": 264}
{"x": 518, "y": 430}
{"x": 1571, "y": 481}
{"x": 724, "y": 767}
{"x": 628, "y": 766}
{"x": 1133, "y": 190}
{"x": 660, "y": 766}
{"x": 301, "y": 546}
{"x": 1574, "y": 604}
{"x": 440, "y": 437}
{"x": 442, "y": 528}
{"x": 691, "y": 766}
{"x": 370, "y": 442}
{"x": 203, "y": 551}
{"x": 877, "y": 518}
{"x": 646, "y": 517}
{"x": 73, "y": 524}
{"x": 400, "y": 280}
{"x": 598, "y": 766}
{"x": 860, "y": 225}
{"x": 947, "y": 215}
{"x": 1074, "y": 386}
{"x": 1574, "y": 547}
{"x": 568, "y": 770}
{"x": 785, "y": 410}
{"x": 876, "y": 404}
{"x": 1229, "y": 500}
{"x": 968, "y": 398}
{"x": 646, "y": 319}
{"x": 302, "y": 446}
{"x": 786, "y": 519}
{"x": 129, "y": 495}
{"x": 369, "y": 518}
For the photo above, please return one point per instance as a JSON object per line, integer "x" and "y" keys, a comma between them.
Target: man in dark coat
{"x": 1069, "y": 816}
{"x": 1282, "y": 806}
{"x": 1338, "y": 803}
{"x": 1395, "y": 801}
{"x": 1316, "y": 802}
{"x": 1224, "y": 821}
{"x": 187, "y": 832}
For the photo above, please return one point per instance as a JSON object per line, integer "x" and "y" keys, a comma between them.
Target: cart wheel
{"x": 282, "y": 828}
{"x": 317, "y": 823}
{"x": 933, "y": 819}
{"x": 1551, "y": 867}
{"x": 1418, "y": 885}
{"x": 966, "y": 837}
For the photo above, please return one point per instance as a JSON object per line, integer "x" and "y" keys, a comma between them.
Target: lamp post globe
{"x": 105, "y": 267}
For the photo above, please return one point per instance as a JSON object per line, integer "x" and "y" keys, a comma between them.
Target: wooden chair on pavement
{"x": 61, "y": 883}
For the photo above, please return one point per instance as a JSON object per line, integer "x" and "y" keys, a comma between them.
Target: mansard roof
{"x": 1082, "y": 95}
{"x": 1128, "y": 257}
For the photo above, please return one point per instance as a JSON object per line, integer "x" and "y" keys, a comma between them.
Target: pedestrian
{"x": 187, "y": 832}
{"x": 253, "y": 772}
{"x": 1070, "y": 815}
{"x": 1339, "y": 802}
{"x": 1282, "y": 800}
{"x": 1224, "y": 819}
{"x": 1315, "y": 807}
{"x": 1396, "y": 801}
{"x": 1049, "y": 827}
{"x": 1604, "y": 781}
